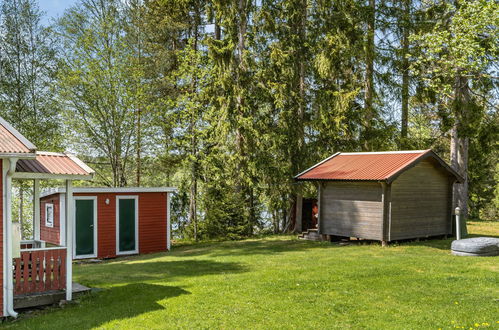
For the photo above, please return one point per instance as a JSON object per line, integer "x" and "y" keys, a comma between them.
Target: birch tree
{"x": 98, "y": 85}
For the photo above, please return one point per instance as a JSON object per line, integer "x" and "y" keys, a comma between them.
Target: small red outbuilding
{"x": 109, "y": 222}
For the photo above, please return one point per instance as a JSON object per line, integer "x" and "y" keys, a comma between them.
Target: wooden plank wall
{"x": 420, "y": 203}
{"x": 51, "y": 234}
{"x": 352, "y": 209}
{"x": 40, "y": 271}
{"x": 152, "y": 222}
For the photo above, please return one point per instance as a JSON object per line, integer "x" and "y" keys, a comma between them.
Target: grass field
{"x": 281, "y": 282}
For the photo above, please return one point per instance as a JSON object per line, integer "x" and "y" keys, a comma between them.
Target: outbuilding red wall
{"x": 51, "y": 234}
{"x": 152, "y": 221}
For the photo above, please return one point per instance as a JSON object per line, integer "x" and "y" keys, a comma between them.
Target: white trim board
{"x": 95, "y": 226}
{"x": 50, "y": 176}
{"x": 136, "y": 198}
{"x": 130, "y": 190}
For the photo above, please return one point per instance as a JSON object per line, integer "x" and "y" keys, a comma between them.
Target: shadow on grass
{"x": 139, "y": 298}
{"x": 246, "y": 248}
{"x": 114, "y": 304}
{"x": 134, "y": 272}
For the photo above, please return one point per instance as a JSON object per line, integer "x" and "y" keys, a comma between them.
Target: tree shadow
{"x": 141, "y": 271}
{"x": 246, "y": 248}
{"x": 114, "y": 304}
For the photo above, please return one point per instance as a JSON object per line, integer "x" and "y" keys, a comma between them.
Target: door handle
{"x": 91, "y": 225}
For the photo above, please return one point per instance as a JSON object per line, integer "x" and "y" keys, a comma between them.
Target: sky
{"x": 54, "y": 8}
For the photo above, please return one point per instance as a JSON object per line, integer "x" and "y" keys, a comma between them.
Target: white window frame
{"x": 85, "y": 256}
{"x": 47, "y": 223}
{"x": 136, "y": 199}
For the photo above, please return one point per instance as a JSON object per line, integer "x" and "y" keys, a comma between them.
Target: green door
{"x": 126, "y": 220}
{"x": 84, "y": 218}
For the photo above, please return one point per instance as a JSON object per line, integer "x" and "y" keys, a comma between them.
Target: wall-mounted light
{"x": 107, "y": 201}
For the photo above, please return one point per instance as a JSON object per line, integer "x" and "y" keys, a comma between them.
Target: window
{"x": 49, "y": 215}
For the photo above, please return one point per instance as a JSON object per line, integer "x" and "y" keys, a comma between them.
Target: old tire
{"x": 477, "y": 246}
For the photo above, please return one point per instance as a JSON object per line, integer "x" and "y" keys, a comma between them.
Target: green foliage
{"x": 229, "y": 99}
{"x": 100, "y": 84}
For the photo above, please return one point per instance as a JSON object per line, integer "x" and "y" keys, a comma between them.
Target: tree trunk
{"x": 460, "y": 146}
{"x": 193, "y": 203}
{"x": 139, "y": 146}
{"x": 405, "y": 72}
{"x": 459, "y": 161}
{"x": 369, "y": 77}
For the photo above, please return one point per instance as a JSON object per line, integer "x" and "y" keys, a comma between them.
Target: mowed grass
{"x": 282, "y": 282}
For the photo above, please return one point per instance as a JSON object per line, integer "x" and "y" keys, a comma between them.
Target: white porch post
{"x": 36, "y": 209}
{"x": 69, "y": 239}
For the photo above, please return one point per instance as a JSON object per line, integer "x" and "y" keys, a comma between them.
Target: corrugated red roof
{"x": 374, "y": 166}
{"x": 53, "y": 163}
{"x": 9, "y": 143}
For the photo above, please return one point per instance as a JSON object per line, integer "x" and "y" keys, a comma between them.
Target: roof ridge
{"x": 385, "y": 152}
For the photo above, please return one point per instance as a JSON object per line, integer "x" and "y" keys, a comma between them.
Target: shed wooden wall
{"x": 351, "y": 209}
{"x": 421, "y": 202}
{"x": 152, "y": 221}
{"x": 51, "y": 234}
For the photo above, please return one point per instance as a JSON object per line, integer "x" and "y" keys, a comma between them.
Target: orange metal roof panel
{"x": 9, "y": 143}
{"x": 361, "y": 166}
{"x": 52, "y": 163}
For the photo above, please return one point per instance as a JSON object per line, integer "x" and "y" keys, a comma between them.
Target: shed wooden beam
{"x": 387, "y": 201}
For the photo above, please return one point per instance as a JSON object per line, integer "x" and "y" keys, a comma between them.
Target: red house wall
{"x": 151, "y": 222}
{"x": 1, "y": 238}
{"x": 51, "y": 234}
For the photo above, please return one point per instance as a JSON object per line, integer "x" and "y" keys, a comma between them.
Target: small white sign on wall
{"x": 49, "y": 215}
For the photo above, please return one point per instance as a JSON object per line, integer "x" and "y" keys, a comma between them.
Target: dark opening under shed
{"x": 383, "y": 196}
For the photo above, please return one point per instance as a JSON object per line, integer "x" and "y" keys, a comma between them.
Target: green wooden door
{"x": 84, "y": 218}
{"x": 126, "y": 220}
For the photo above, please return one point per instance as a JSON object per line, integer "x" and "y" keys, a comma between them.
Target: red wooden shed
{"x": 109, "y": 222}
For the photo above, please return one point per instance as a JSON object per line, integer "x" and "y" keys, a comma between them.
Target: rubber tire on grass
{"x": 476, "y": 246}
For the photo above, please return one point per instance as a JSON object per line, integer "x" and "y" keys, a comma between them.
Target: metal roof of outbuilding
{"x": 369, "y": 166}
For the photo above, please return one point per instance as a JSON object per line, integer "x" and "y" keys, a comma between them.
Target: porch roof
{"x": 13, "y": 143}
{"x": 52, "y": 165}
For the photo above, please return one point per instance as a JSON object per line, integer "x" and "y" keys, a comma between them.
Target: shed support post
{"x": 36, "y": 209}
{"x": 386, "y": 201}
{"x": 69, "y": 239}
{"x": 319, "y": 206}
{"x": 299, "y": 207}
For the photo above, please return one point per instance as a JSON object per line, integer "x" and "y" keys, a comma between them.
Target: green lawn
{"x": 281, "y": 282}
